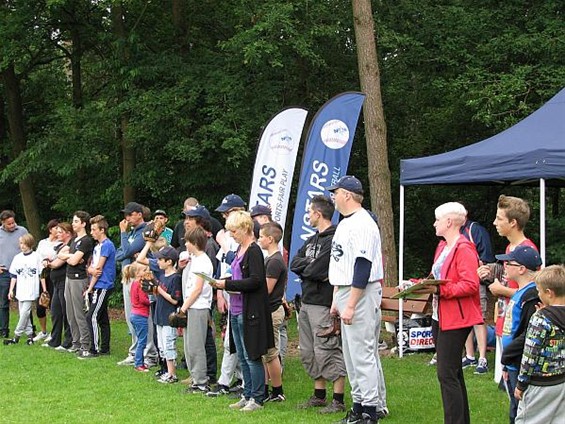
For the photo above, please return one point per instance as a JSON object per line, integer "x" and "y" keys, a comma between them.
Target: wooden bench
{"x": 420, "y": 305}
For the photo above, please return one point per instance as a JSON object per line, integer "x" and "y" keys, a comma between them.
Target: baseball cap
{"x": 167, "y": 252}
{"x": 524, "y": 255}
{"x": 161, "y": 212}
{"x": 229, "y": 202}
{"x": 260, "y": 210}
{"x": 132, "y": 207}
{"x": 199, "y": 210}
{"x": 349, "y": 183}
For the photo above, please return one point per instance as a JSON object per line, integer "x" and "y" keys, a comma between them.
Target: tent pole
{"x": 400, "y": 273}
{"x": 542, "y": 218}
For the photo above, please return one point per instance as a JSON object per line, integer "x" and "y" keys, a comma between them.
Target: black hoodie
{"x": 311, "y": 264}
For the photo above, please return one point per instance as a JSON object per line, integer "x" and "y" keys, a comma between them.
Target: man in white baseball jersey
{"x": 356, "y": 271}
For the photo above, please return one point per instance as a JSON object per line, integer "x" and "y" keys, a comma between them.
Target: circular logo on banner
{"x": 281, "y": 140}
{"x": 335, "y": 134}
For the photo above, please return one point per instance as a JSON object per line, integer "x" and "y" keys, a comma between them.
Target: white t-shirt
{"x": 203, "y": 264}
{"x": 356, "y": 236}
{"x": 46, "y": 249}
{"x": 27, "y": 269}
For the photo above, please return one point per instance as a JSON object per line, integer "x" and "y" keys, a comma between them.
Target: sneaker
{"x": 366, "y": 419}
{"x": 40, "y": 336}
{"x": 61, "y": 349}
{"x": 187, "y": 381}
{"x": 46, "y": 345}
{"x": 313, "y": 402}
{"x": 236, "y": 386}
{"x": 129, "y": 361}
{"x": 85, "y": 354}
{"x": 73, "y": 349}
{"x": 219, "y": 390}
{"x": 239, "y": 404}
{"x": 29, "y": 341}
{"x": 332, "y": 408}
{"x": 433, "y": 361}
{"x": 382, "y": 413}
{"x": 168, "y": 379}
{"x": 468, "y": 362}
{"x": 275, "y": 398}
{"x": 160, "y": 373}
{"x": 48, "y": 338}
{"x": 151, "y": 364}
{"x": 15, "y": 340}
{"x": 482, "y": 368}
{"x": 251, "y": 406}
{"x": 352, "y": 418}
{"x": 141, "y": 368}
{"x": 382, "y": 345}
{"x": 195, "y": 388}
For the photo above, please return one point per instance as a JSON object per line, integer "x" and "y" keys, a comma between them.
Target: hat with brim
{"x": 349, "y": 183}
{"x": 524, "y": 255}
{"x": 229, "y": 202}
{"x": 132, "y": 207}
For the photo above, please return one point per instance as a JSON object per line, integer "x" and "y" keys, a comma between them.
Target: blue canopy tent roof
{"x": 534, "y": 148}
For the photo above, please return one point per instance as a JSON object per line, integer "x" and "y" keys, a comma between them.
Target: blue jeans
{"x": 140, "y": 326}
{"x": 4, "y": 303}
{"x": 510, "y": 387}
{"x": 253, "y": 371}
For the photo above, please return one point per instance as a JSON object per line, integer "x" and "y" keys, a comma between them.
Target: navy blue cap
{"x": 229, "y": 202}
{"x": 349, "y": 183}
{"x": 132, "y": 207}
{"x": 258, "y": 210}
{"x": 199, "y": 210}
{"x": 524, "y": 255}
{"x": 168, "y": 252}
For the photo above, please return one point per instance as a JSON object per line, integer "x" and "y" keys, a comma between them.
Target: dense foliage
{"x": 163, "y": 100}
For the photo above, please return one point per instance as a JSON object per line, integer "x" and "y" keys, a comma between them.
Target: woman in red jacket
{"x": 456, "y": 307}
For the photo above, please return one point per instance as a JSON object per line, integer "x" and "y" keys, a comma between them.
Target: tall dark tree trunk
{"x": 181, "y": 25}
{"x": 375, "y": 133}
{"x": 18, "y": 139}
{"x": 128, "y": 152}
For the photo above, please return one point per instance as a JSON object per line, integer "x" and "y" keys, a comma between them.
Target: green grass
{"x": 42, "y": 385}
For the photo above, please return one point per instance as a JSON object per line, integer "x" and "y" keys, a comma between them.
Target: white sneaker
{"x": 61, "y": 349}
{"x": 130, "y": 360}
{"x": 239, "y": 404}
{"x": 251, "y": 406}
{"x": 40, "y": 336}
{"x": 48, "y": 338}
{"x": 45, "y": 345}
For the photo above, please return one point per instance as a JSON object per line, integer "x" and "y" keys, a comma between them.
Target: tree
{"x": 375, "y": 133}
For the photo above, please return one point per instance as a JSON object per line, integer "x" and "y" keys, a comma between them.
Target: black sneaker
{"x": 198, "y": 389}
{"x": 29, "y": 341}
{"x": 160, "y": 372}
{"x": 366, "y": 419}
{"x": 352, "y": 417}
{"x": 275, "y": 398}
{"x": 219, "y": 390}
{"x": 15, "y": 340}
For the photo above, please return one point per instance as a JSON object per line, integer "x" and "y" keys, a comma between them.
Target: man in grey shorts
{"x": 322, "y": 358}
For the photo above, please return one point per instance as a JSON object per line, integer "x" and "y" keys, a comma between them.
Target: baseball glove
{"x": 153, "y": 230}
{"x": 148, "y": 283}
{"x": 44, "y": 299}
{"x": 177, "y": 319}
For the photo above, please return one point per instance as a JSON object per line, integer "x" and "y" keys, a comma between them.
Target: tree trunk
{"x": 18, "y": 138}
{"x": 128, "y": 152}
{"x": 375, "y": 133}
{"x": 180, "y": 24}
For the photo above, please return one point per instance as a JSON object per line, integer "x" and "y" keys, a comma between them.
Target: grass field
{"x": 40, "y": 385}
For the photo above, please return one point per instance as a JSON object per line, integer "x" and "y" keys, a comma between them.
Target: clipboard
{"x": 410, "y": 290}
{"x": 205, "y": 277}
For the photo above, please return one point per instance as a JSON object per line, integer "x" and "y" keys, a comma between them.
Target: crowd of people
{"x": 174, "y": 282}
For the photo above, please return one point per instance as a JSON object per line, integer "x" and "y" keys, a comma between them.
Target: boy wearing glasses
{"x": 521, "y": 265}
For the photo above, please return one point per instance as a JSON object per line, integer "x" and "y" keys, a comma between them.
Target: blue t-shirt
{"x": 107, "y": 250}
{"x": 512, "y": 318}
{"x": 172, "y": 284}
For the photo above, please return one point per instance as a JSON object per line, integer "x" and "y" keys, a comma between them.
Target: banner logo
{"x": 335, "y": 134}
{"x": 282, "y": 141}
